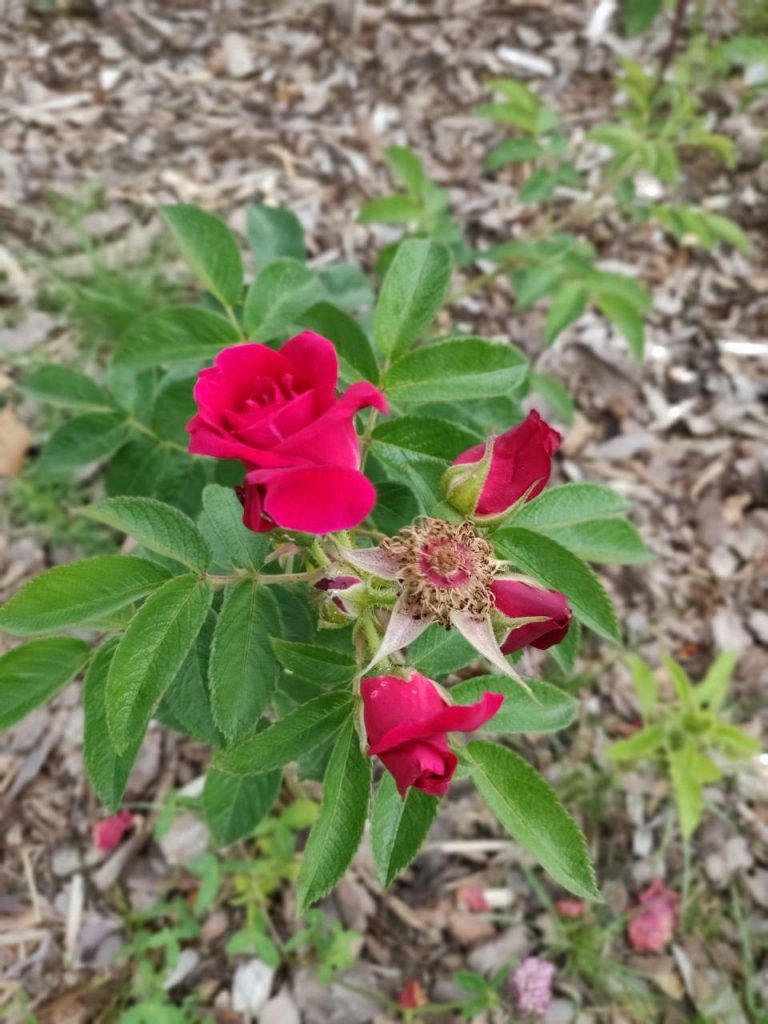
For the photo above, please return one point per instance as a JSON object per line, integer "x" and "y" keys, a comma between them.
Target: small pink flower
{"x": 531, "y": 986}
{"x": 570, "y": 908}
{"x": 472, "y": 898}
{"x": 108, "y": 834}
{"x": 412, "y": 996}
{"x": 652, "y": 927}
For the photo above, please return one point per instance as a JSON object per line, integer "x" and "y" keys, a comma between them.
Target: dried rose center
{"x": 445, "y": 567}
{"x": 446, "y": 564}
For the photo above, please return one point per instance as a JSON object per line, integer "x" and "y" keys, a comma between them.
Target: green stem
{"x": 371, "y": 633}
{"x": 161, "y": 441}
{"x": 365, "y": 440}
{"x": 268, "y": 579}
{"x": 686, "y": 874}
{"x": 233, "y": 319}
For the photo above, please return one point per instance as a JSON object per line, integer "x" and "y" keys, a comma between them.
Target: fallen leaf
{"x": 15, "y": 440}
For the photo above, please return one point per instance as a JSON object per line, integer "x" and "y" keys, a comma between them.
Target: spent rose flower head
{"x": 531, "y": 986}
{"x": 653, "y": 925}
{"x": 278, "y": 413}
{"x": 487, "y": 480}
{"x": 109, "y": 833}
{"x": 518, "y": 600}
{"x": 406, "y": 721}
{"x": 448, "y": 575}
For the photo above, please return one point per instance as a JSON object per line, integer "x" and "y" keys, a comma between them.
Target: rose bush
{"x": 216, "y": 624}
{"x": 278, "y": 413}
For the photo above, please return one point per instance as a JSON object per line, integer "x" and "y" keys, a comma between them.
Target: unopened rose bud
{"x": 463, "y": 483}
{"x": 548, "y": 610}
{"x": 486, "y": 482}
{"x": 345, "y": 596}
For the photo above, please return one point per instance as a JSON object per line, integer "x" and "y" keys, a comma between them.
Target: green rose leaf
{"x": 399, "y": 827}
{"x": 234, "y": 546}
{"x": 291, "y": 737}
{"x": 33, "y": 673}
{"x": 108, "y": 771}
{"x": 411, "y": 295}
{"x": 278, "y": 297}
{"x": 555, "y": 567}
{"x": 156, "y": 526}
{"x": 273, "y": 233}
{"x": 548, "y": 710}
{"x": 570, "y": 505}
{"x": 338, "y": 829}
{"x": 319, "y": 664}
{"x": 243, "y": 669}
{"x": 210, "y": 249}
{"x": 458, "y": 370}
{"x": 150, "y": 654}
{"x": 58, "y": 385}
{"x": 530, "y": 812}
{"x": 86, "y": 438}
{"x": 567, "y": 306}
{"x": 176, "y": 334}
{"x": 234, "y": 807}
{"x": 68, "y": 595}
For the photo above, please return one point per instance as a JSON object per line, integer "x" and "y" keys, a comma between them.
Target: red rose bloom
{"x": 406, "y": 721}
{"x": 520, "y": 464}
{"x": 519, "y": 600}
{"x": 279, "y": 414}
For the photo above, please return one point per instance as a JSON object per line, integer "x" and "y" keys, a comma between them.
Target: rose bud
{"x": 488, "y": 480}
{"x": 406, "y": 721}
{"x": 109, "y": 833}
{"x": 652, "y": 927}
{"x": 343, "y": 598}
{"x": 278, "y": 413}
{"x": 518, "y": 600}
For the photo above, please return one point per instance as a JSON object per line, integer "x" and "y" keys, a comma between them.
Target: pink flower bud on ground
{"x": 570, "y": 908}
{"x": 412, "y": 996}
{"x": 652, "y": 927}
{"x": 471, "y": 897}
{"x": 109, "y": 833}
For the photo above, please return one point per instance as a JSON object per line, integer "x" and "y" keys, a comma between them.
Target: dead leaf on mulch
{"x": 15, "y": 440}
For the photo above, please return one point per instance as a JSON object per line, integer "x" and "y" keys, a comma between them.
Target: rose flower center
{"x": 445, "y": 567}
